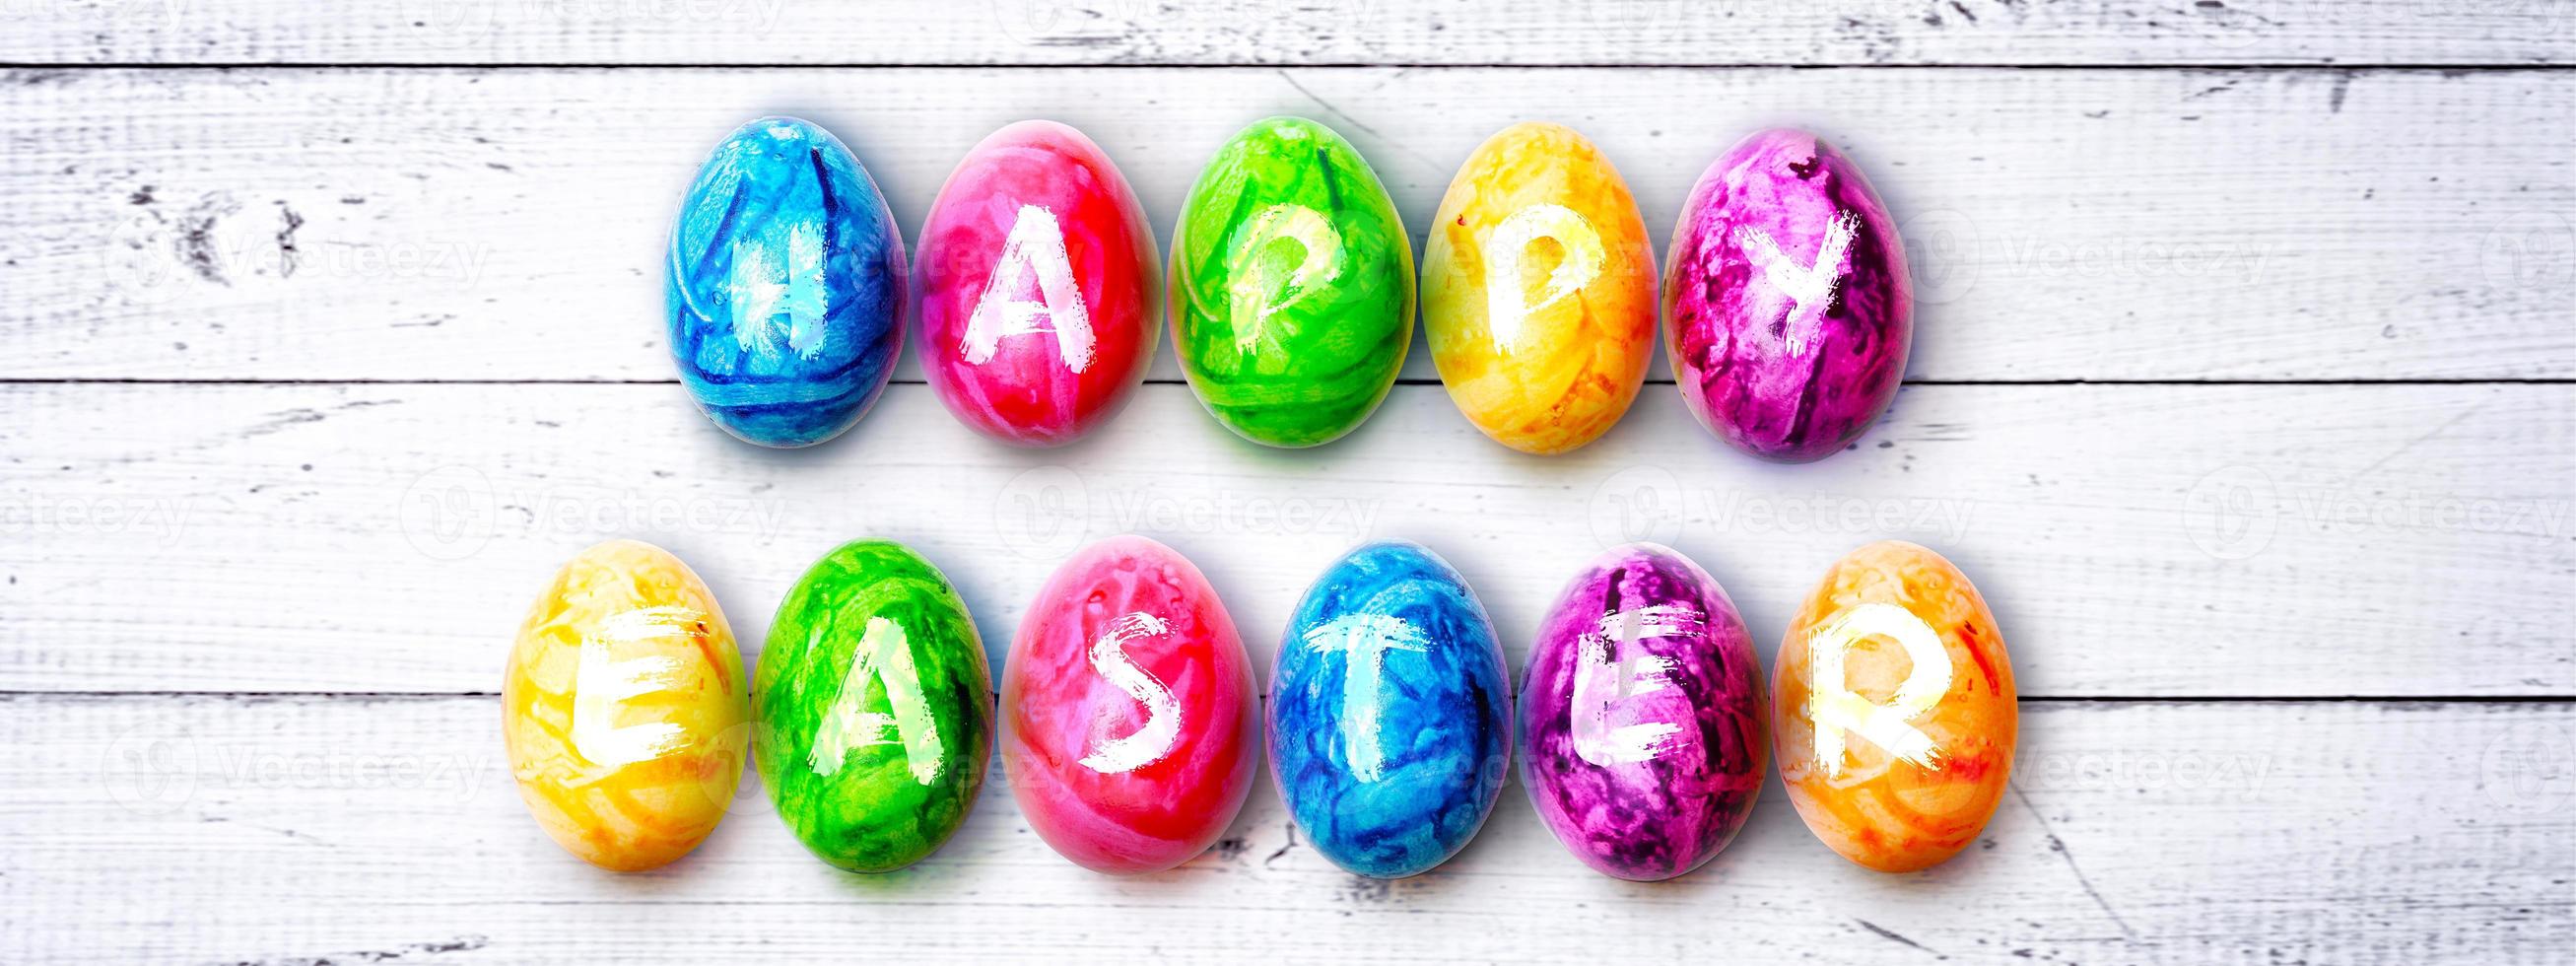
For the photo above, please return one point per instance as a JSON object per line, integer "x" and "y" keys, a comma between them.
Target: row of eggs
{"x": 1034, "y": 293}
{"x": 1129, "y": 721}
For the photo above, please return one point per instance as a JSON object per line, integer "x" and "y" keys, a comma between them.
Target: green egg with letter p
{"x": 874, "y": 706}
{"x": 1292, "y": 285}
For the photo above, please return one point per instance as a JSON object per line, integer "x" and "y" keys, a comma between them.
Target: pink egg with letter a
{"x": 1130, "y": 727}
{"x": 1038, "y": 289}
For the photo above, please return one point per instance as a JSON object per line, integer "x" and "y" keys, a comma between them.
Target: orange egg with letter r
{"x": 1894, "y": 715}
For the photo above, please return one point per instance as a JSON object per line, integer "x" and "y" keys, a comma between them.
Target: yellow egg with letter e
{"x": 625, "y": 708}
{"x": 1894, "y": 715}
{"x": 1538, "y": 290}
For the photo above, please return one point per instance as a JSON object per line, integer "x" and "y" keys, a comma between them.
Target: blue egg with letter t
{"x": 786, "y": 285}
{"x": 1390, "y": 712}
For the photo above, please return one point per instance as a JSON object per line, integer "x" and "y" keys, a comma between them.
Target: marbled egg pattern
{"x": 1130, "y": 726}
{"x": 785, "y": 286}
{"x": 625, "y": 709}
{"x": 1642, "y": 717}
{"x": 1292, "y": 285}
{"x": 1390, "y": 727}
{"x": 1898, "y": 657}
{"x": 1037, "y": 278}
{"x": 1790, "y": 310}
{"x": 874, "y": 705}
{"x": 1538, "y": 290}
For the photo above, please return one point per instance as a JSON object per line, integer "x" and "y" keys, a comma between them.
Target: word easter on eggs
{"x": 786, "y": 285}
{"x": 1129, "y": 717}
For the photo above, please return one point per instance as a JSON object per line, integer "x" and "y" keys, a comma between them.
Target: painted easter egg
{"x": 1390, "y": 724}
{"x": 625, "y": 709}
{"x": 786, "y": 285}
{"x": 1037, "y": 277}
{"x": 1538, "y": 290}
{"x": 1129, "y": 720}
{"x": 1791, "y": 311}
{"x": 1292, "y": 285}
{"x": 873, "y": 703}
{"x": 1642, "y": 716}
{"x": 1896, "y": 716}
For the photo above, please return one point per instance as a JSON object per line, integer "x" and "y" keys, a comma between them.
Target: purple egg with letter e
{"x": 1642, "y": 726}
{"x": 1790, "y": 310}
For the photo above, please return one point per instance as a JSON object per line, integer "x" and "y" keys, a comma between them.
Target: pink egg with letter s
{"x": 1130, "y": 723}
{"x": 1038, "y": 289}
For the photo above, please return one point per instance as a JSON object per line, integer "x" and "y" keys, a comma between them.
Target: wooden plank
{"x": 507, "y": 225}
{"x": 154, "y": 828}
{"x": 1534, "y": 32}
{"x": 2153, "y": 540}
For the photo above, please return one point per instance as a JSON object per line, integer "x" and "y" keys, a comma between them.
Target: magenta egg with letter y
{"x": 1038, "y": 281}
{"x": 1790, "y": 311}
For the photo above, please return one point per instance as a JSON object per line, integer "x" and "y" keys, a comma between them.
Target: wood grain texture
{"x": 299, "y": 830}
{"x": 1237, "y": 32}
{"x": 2171, "y": 541}
{"x": 2069, "y": 225}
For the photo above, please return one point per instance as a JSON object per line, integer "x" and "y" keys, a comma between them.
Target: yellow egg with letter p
{"x": 1538, "y": 290}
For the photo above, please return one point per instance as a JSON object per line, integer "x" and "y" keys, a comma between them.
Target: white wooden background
{"x": 2245, "y": 387}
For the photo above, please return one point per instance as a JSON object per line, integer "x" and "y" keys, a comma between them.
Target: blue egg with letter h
{"x": 786, "y": 285}
{"x": 1390, "y": 712}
